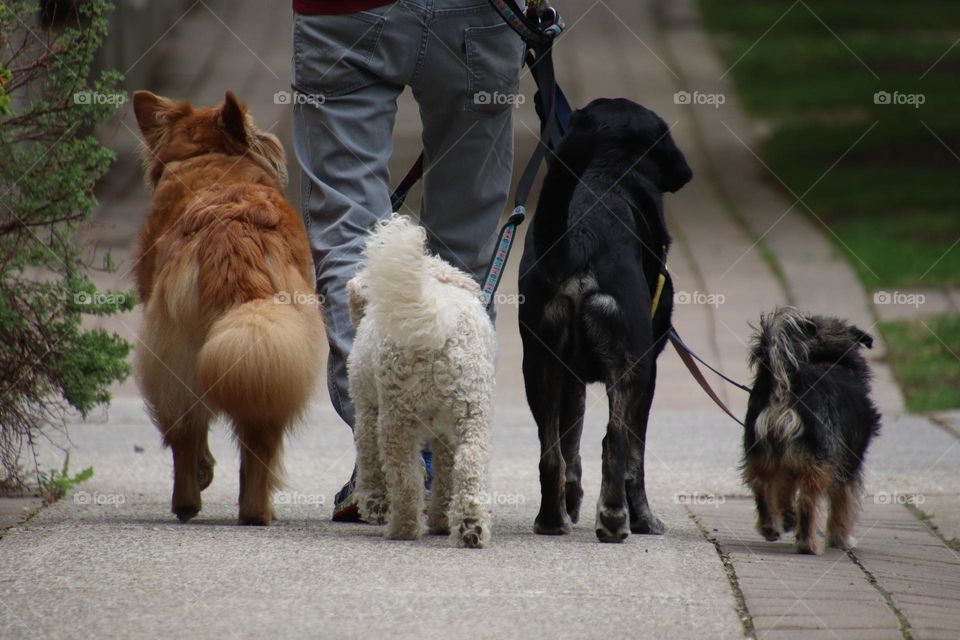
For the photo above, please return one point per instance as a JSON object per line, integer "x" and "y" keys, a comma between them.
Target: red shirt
{"x": 330, "y": 7}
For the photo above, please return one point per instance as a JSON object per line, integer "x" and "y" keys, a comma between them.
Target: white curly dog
{"x": 421, "y": 369}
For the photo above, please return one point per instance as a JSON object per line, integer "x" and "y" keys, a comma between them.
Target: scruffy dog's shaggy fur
{"x": 231, "y": 322}
{"x": 809, "y": 423}
{"x": 590, "y": 269}
{"x": 421, "y": 368}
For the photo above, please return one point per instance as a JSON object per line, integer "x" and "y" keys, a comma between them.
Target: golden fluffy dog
{"x": 231, "y": 320}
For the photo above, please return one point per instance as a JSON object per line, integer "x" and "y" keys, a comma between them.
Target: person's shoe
{"x": 345, "y": 507}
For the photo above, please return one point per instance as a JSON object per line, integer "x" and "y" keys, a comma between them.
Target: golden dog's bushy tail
{"x": 405, "y": 300}
{"x": 260, "y": 361}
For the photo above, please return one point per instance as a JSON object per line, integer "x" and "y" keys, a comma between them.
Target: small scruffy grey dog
{"x": 809, "y": 423}
{"x": 421, "y": 369}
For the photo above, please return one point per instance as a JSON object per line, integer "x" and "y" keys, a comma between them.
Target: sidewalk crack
{"x": 746, "y": 619}
{"x": 905, "y": 629}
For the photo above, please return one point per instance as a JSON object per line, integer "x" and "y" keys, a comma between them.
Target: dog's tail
{"x": 259, "y": 363}
{"x": 402, "y": 298}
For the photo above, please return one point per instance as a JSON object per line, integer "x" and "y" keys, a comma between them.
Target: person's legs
{"x": 466, "y": 87}
{"x": 347, "y": 71}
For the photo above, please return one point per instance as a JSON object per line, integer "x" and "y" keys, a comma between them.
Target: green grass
{"x": 892, "y": 204}
{"x": 926, "y": 356}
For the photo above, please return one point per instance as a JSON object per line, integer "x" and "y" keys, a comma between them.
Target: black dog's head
{"x": 645, "y": 131}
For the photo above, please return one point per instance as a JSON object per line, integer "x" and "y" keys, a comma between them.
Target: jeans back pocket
{"x": 494, "y": 56}
{"x": 332, "y": 54}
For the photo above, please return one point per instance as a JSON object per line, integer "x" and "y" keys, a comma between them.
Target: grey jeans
{"x": 463, "y": 65}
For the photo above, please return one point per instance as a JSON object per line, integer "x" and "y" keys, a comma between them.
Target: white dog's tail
{"x": 403, "y": 300}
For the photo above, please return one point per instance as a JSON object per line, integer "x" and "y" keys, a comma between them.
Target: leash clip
{"x": 518, "y": 215}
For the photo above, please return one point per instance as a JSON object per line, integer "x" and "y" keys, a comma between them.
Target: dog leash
{"x": 690, "y": 359}
{"x": 538, "y": 26}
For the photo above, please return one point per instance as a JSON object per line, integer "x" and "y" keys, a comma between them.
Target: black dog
{"x": 809, "y": 423}
{"x": 590, "y": 272}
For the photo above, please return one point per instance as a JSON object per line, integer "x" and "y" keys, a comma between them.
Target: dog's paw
{"x": 255, "y": 521}
{"x": 646, "y": 524}
{"x": 769, "y": 533}
{"x": 807, "y": 546}
{"x": 186, "y": 512}
{"x": 438, "y": 524}
{"x": 472, "y": 534}
{"x": 552, "y": 526}
{"x": 613, "y": 524}
{"x": 204, "y": 473}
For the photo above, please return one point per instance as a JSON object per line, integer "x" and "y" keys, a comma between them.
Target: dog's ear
{"x": 155, "y": 113}
{"x": 233, "y": 119}
{"x": 674, "y": 170}
{"x": 862, "y": 337}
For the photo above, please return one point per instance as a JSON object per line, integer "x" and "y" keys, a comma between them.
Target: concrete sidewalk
{"x": 110, "y": 561}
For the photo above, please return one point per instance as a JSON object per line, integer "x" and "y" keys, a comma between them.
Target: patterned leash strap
{"x": 501, "y": 254}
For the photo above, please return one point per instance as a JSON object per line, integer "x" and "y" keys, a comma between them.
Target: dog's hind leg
{"x": 843, "y": 512}
{"x": 543, "y": 389}
{"x": 438, "y": 522}
{"x": 642, "y": 519}
{"x": 371, "y": 488}
{"x": 813, "y": 483}
{"x": 571, "y": 427}
{"x": 469, "y": 508}
{"x": 400, "y": 449}
{"x": 260, "y": 446}
{"x": 786, "y": 501}
{"x": 186, "y": 437}
{"x": 613, "y": 516}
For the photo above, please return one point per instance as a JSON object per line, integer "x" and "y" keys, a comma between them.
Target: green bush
{"x": 50, "y": 161}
